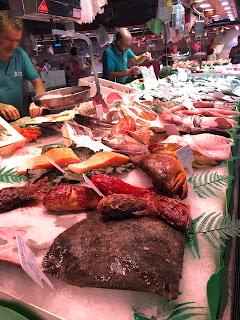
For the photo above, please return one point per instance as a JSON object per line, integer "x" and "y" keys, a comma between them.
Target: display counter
{"x": 201, "y": 281}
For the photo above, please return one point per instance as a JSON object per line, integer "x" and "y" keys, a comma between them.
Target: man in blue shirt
{"x": 116, "y": 56}
{"x": 14, "y": 65}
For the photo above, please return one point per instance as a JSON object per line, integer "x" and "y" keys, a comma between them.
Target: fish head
{"x": 112, "y": 140}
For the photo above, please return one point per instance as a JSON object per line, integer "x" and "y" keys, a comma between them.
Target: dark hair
{"x": 45, "y": 60}
{"x": 7, "y": 19}
{"x": 73, "y": 51}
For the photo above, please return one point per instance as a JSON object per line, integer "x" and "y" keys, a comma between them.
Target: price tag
{"x": 29, "y": 263}
{"x": 166, "y": 92}
{"x": 185, "y": 157}
{"x": 171, "y": 129}
{"x": 55, "y": 165}
{"x": 125, "y": 99}
{"x": 99, "y": 110}
{"x": 92, "y": 185}
{"x": 187, "y": 102}
{"x": 87, "y": 142}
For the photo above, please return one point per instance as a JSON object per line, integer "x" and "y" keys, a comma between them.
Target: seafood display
{"x": 173, "y": 211}
{"x": 61, "y": 156}
{"x": 166, "y": 172}
{"x": 132, "y": 237}
{"x": 139, "y": 254}
{"x": 99, "y": 160}
{"x": 67, "y": 197}
{"x": 13, "y": 197}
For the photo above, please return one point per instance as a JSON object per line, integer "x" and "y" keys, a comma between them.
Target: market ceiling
{"x": 135, "y": 13}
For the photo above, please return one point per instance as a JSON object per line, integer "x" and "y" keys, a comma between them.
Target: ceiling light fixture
{"x": 225, "y": 3}
{"x": 227, "y": 8}
{"x": 205, "y": 5}
{"x": 237, "y": 27}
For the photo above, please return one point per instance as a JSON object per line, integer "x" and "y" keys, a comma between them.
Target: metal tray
{"x": 65, "y": 97}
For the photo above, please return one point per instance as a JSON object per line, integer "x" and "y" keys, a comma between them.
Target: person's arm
{"x": 34, "y": 110}
{"x": 118, "y": 75}
{"x": 86, "y": 64}
{"x": 140, "y": 59}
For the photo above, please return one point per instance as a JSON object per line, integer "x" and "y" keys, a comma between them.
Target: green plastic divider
{"x": 214, "y": 283}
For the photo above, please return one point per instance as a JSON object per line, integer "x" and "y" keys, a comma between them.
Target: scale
{"x": 70, "y": 96}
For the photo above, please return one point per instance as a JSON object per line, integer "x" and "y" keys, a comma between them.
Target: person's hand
{"x": 133, "y": 71}
{"x": 34, "y": 111}
{"x": 9, "y": 112}
{"x": 147, "y": 55}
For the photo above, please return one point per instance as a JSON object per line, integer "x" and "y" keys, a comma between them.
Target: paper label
{"x": 99, "y": 110}
{"x": 87, "y": 142}
{"x": 55, "y": 165}
{"x": 188, "y": 103}
{"x": 92, "y": 185}
{"x": 185, "y": 157}
{"x": 29, "y": 263}
{"x": 125, "y": 99}
{"x": 166, "y": 92}
{"x": 171, "y": 129}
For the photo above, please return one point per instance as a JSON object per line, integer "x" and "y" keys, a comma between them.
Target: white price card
{"x": 87, "y": 142}
{"x": 92, "y": 185}
{"x": 55, "y": 165}
{"x": 185, "y": 157}
{"x": 187, "y": 102}
{"x": 29, "y": 263}
{"x": 166, "y": 92}
{"x": 171, "y": 130}
{"x": 99, "y": 111}
{"x": 125, "y": 99}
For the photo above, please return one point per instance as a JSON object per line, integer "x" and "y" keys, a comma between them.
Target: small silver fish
{"x": 124, "y": 142}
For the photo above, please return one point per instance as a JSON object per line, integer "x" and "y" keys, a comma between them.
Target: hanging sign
{"x": 43, "y": 7}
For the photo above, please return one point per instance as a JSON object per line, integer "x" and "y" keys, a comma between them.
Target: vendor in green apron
{"x": 14, "y": 65}
{"x": 116, "y": 56}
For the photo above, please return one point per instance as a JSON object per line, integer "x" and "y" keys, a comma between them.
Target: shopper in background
{"x": 116, "y": 56}
{"x": 36, "y": 67}
{"x": 14, "y": 65}
{"x": 211, "y": 52}
{"x": 46, "y": 66}
{"x": 75, "y": 68}
{"x": 175, "y": 50}
{"x": 98, "y": 64}
{"x": 234, "y": 54}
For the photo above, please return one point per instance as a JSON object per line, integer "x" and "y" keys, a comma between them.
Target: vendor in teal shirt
{"x": 14, "y": 65}
{"x": 116, "y": 56}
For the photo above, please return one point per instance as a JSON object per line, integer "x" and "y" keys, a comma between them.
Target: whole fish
{"x": 124, "y": 142}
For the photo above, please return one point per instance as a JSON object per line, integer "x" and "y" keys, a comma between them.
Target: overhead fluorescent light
{"x": 227, "y": 8}
{"x": 205, "y": 5}
{"x": 225, "y": 3}
{"x": 198, "y": 1}
{"x": 237, "y": 27}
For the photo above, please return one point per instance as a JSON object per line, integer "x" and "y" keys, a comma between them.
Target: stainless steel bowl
{"x": 65, "y": 97}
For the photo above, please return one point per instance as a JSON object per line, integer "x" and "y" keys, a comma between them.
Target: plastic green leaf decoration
{"x": 234, "y": 132}
{"x": 205, "y": 185}
{"x": 10, "y": 176}
{"x": 213, "y": 228}
{"x": 178, "y": 312}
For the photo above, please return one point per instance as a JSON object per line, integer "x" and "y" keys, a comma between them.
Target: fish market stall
{"x": 113, "y": 268}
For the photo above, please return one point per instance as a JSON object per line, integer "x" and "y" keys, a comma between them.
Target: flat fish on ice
{"x": 140, "y": 254}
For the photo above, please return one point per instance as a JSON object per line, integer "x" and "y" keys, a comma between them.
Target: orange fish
{"x": 99, "y": 160}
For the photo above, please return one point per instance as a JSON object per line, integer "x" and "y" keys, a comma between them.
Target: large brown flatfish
{"x": 139, "y": 254}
